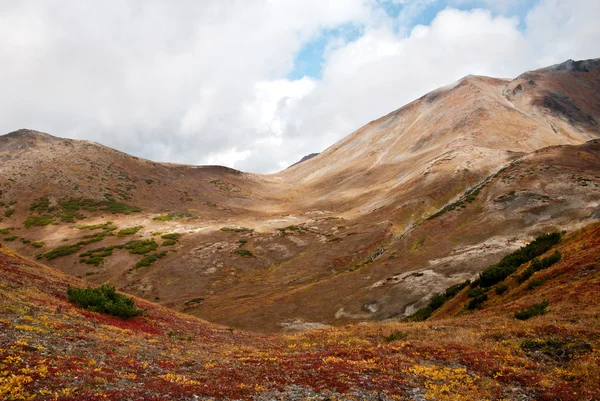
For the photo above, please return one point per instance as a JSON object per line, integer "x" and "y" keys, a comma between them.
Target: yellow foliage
{"x": 179, "y": 379}
{"x": 12, "y": 387}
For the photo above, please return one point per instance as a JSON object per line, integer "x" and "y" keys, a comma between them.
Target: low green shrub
{"x": 509, "y": 264}
{"x": 475, "y": 303}
{"x": 149, "y": 259}
{"x": 62, "y": 251}
{"x": 8, "y": 212}
{"x": 534, "y": 310}
{"x": 537, "y": 265}
{"x": 172, "y": 236}
{"x": 395, "y": 336}
{"x": 237, "y": 229}
{"x": 129, "y": 231}
{"x": 501, "y": 289}
{"x": 244, "y": 252}
{"x": 11, "y": 238}
{"x": 141, "y": 247}
{"x": 103, "y": 299}
{"x": 39, "y": 221}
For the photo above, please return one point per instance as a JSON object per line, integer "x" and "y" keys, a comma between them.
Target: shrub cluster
{"x": 509, "y": 264}
{"x": 129, "y": 231}
{"x": 103, "y": 299}
{"x": 149, "y": 259}
{"x": 436, "y": 302}
{"x": 532, "y": 311}
{"x": 39, "y": 221}
{"x": 141, "y": 247}
{"x": 537, "y": 265}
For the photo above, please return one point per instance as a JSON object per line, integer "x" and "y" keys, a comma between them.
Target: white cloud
{"x": 204, "y": 82}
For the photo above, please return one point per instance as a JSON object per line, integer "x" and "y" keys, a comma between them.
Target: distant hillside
{"x": 416, "y": 201}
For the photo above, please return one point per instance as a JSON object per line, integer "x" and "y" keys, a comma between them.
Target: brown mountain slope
{"x": 52, "y": 350}
{"x": 333, "y": 239}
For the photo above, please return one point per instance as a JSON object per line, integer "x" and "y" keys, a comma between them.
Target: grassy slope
{"x": 52, "y": 350}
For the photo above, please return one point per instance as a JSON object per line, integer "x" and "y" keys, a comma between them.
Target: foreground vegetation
{"x": 51, "y": 348}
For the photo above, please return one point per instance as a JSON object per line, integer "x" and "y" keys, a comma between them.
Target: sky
{"x": 258, "y": 84}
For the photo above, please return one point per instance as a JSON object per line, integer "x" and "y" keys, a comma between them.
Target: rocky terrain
{"x": 369, "y": 229}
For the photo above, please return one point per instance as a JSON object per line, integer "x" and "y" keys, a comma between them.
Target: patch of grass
{"x": 141, "y": 247}
{"x": 6, "y": 231}
{"x": 169, "y": 242}
{"x": 38, "y": 244}
{"x": 395, "y": 336}
{"x": 39, "y": 221}
{"x": 149, "y": 181}
{"x": 244, "y": 252}
{"x": 129, "y": 231}
{"x": 509, "y": 264}
{"x": 103, "y": 299}
{"x": 11, "y": 238}
{"x": 8, "y": 212}
{"x": 534, "y": 310}
{"x": 25, "y": 241}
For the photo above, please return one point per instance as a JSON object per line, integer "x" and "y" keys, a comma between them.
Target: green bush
{"x": 169, "y": 242}
{"x": 103, "y": 299}
{"x": 40, "y": 205}
{"x": 537, "y": 265}
{"x": 455, "y": 289}
{"x": 501, "y": 289}
{"x": 149, "y": 259}
{"x": 436, "y": 301}
{"x": 141, "y": 247}
{"x": 532, "y": 311}
{"x": 129, "y": 231}
{"x": 62, "y": 251}
{"x": 172, "y": 236}
{"x": 173, "y": 216}
{"x": 9, "y": 212}
{"x": 11, "y": 238}
{"x": 421, "y": 314}
{"x": 476, "y": 302}
{"x": 39, "y": 221}
{"x": 237, "y": 229}
{"x": 244, "y": 252}
{"x": 396, "y": 335}
{"x": 509, "y": 264}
